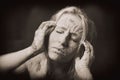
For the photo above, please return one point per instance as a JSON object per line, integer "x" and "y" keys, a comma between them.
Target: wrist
{"x": 32, "y": 49}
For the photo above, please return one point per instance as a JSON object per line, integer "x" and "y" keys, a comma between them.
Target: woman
{"x": 59, "y": 42}
{"x": 61, "y": 58}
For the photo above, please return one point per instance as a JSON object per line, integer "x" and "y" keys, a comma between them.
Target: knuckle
{"x": 36, "y": 31}
{"x": 44, "y": 22}
{"x": 47, "y": 25}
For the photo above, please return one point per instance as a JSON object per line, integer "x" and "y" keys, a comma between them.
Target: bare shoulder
{"x": 37, "y": 66}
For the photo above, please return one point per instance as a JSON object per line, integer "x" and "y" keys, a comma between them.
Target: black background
{"x": 20, "y": 19}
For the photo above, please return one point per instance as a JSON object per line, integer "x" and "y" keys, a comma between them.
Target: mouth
{"x": 59, "y": 51}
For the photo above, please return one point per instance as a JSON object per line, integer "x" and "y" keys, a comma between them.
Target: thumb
{"x": 88, "y": 53}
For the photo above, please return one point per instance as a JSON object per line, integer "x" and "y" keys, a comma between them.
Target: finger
{"x": 41, "y": 25}
{"x": 92, "y": 57}
{"x": 36, "y": 32}
{"x": 86, "y": 45}
{"x": 52, "y": 23}
{"x": 77, "y": 58}
{"x": 91, "y": 50}
{"x": 88, "y": 54}
{"x": 87, "y": 51}
{"x": 45, "y": 25}
{"x": 48, "y": 31}
{"x": 49, "y": 24}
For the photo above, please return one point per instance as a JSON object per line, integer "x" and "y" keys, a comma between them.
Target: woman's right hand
{"x": 44, "y": 29}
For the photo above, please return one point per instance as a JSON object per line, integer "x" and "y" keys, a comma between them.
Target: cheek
{"x": 52, "y": 38}
{"x": 73, "y": 44}
{"x": 72, "y": 47}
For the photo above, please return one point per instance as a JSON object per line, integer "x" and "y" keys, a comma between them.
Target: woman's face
{"x": 64, "y": 40}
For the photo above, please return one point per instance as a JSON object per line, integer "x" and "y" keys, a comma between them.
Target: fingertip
{"x": 77, "y": 59}
{"x": 85, "y": 44}
{"x": 53, "y": 24}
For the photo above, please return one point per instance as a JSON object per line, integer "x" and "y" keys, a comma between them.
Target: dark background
{"x": 20, "y": 19}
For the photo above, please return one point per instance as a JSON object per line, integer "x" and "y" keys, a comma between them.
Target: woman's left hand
{"x": 82, "y": 65}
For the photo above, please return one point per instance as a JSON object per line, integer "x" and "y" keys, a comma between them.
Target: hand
{"x": 88, "y": 55}
{"x": 44, "y": 29}
{"x": 82, "y": 65}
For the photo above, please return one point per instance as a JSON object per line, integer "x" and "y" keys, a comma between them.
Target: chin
{"x": 53, "y": 56}
{"x": 57, "y": 58}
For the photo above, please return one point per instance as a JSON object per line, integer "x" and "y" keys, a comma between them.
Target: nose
{"x": 65, "y": 38}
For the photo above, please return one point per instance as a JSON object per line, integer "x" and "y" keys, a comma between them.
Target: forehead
{"x": 69, "y": 21}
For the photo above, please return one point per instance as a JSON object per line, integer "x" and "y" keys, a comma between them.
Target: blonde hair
{"x": 88, "y": 25}
{"x": 88, "y": 34}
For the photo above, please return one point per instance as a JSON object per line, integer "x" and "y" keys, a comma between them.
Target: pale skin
{"x": 62, "y": 53}
{"x": 69, "y": 32}
{"x": 82, "y": 65}
{"x": 12, "y": 60}
{"x": 68, "y": 45}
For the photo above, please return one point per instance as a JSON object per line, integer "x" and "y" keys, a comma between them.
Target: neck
{"x": 61, "y": 71}
{"x": 60, "y": 65}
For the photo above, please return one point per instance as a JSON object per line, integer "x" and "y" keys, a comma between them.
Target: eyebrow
{"x": 62, "y": 27}
{"x": 78, "y": 30}
{"x": 73, "y": 33}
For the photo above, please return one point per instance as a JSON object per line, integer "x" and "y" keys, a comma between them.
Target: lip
{"x": 58, "y": 51}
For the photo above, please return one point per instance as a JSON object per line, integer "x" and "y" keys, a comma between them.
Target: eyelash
{"x": 74, "y": 40}
{"x": 59, "y": 31}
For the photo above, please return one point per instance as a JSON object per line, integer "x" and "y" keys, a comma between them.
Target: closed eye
{"x": 59, "y": 31}
{"x": 74, "y": 40}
